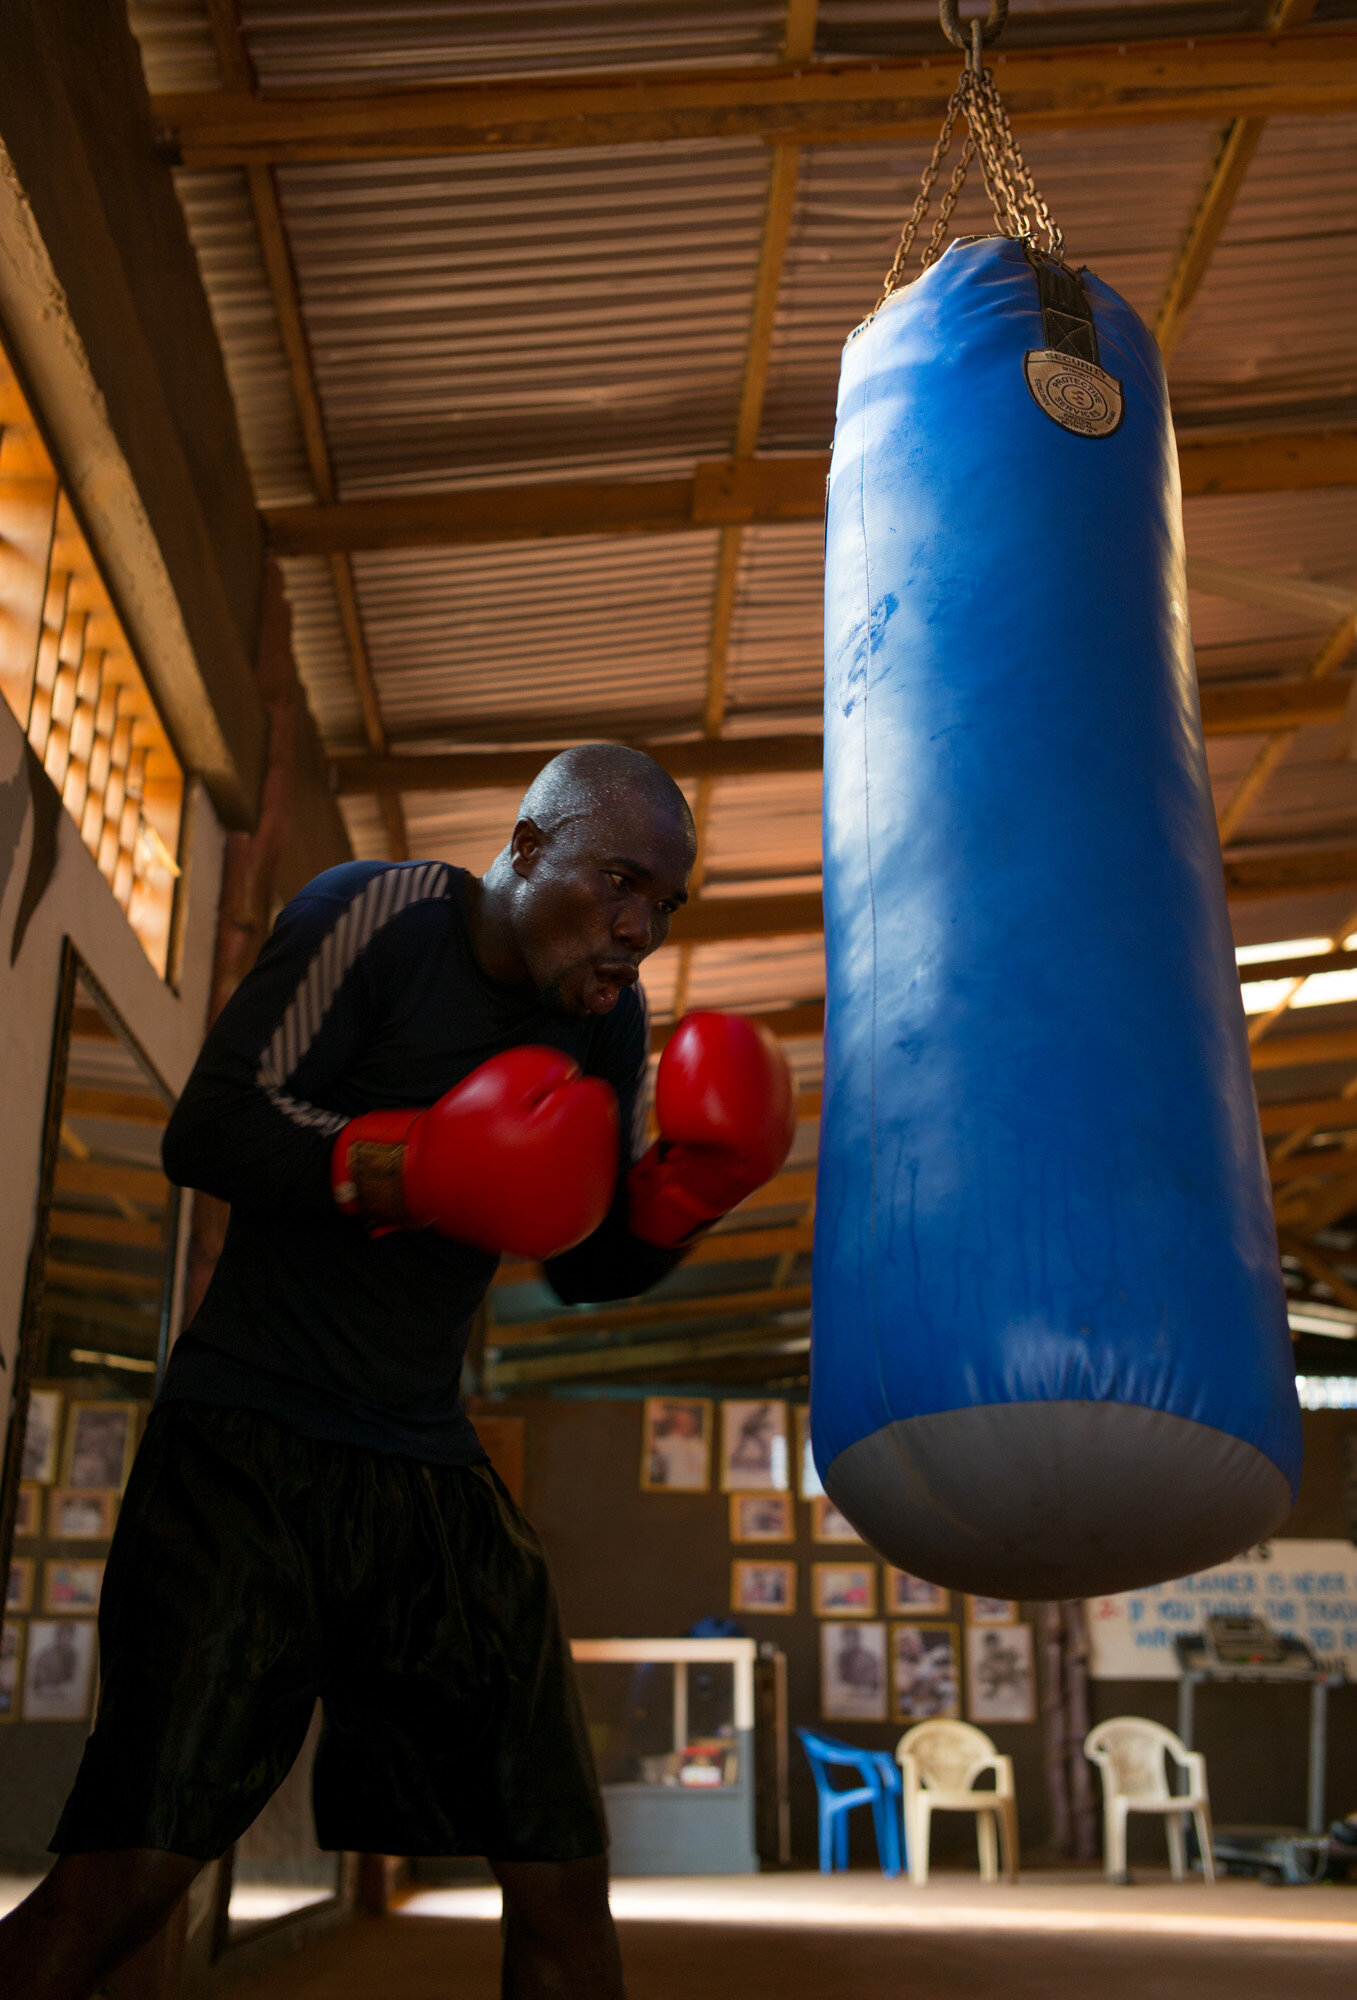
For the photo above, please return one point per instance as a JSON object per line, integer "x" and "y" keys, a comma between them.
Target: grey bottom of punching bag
{"x": 1039, "y": 1500}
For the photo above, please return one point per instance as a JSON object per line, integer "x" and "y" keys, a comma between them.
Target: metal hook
{"x": 949, "y": 13}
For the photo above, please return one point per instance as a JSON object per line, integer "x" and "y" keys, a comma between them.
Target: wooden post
{"x": 249, "y": 879}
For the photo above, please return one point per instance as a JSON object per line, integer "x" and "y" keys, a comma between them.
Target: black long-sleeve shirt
{"x": 368, "y": 996}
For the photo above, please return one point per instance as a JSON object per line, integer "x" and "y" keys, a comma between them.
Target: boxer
{"x": 423, "y": 1070}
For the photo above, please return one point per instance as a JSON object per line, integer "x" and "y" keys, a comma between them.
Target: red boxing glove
{"x": 520, "y": 1156}
{"x": 727, "y": 1114}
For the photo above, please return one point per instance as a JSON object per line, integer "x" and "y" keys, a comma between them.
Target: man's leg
{"x": 89, "y": 1914}
{"x": 559, "y": 1941}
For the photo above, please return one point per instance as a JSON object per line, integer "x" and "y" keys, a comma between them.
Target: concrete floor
{"x": 790, "y": 1937}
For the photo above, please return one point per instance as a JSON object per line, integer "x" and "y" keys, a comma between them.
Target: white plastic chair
{"x": 1130, "y": 1753}
{"x": 940, "y": 1762}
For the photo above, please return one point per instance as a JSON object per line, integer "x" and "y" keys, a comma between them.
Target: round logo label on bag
{"x": 1074, "y": 393}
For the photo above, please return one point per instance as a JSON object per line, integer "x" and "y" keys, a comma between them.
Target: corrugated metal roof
{"x": 1123, "y": 197}
{"x": 1273, "y": 324}
{"x": 556, "y": 635}
{"x": 221, "y": 223}
{"x": 177, "y": 51}
{"x": 775, "y": 657}
{"x": 322, "y": 652}
{"x": 763, "y": 827}
{"x": 899, "y": 27}
{"x": 305, "y": 44}
{"x": 521, "y": 317}
{"x": 532, "y": 312}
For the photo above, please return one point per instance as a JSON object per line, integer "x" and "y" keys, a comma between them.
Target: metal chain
{"x": 1019, "y": 209}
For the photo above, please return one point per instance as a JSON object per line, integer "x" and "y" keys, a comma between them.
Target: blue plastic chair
{"x": 880, "y": 1789}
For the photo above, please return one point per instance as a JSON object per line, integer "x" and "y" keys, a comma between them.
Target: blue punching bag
{"x": 1050, "y": 1353}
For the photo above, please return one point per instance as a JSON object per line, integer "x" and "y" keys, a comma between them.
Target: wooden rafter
{"x": 728, "y": 1246}
{"x": 1246, "y": 708}
{"x": 1250, "y": 787}
{"x": 238, "y": 75}
{"x": 1238, "y": 144}
{"x": 665, "y": 1312}
{"x": 1303, "y": 74}
{"x": 777, "y": 224}
{"x": 737, "y": 492}
{"x": 1326, "y": 1045}
{"x": 1317, "y": 1267}
{"x": 692, "y": 1351}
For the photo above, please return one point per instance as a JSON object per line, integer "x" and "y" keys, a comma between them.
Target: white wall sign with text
{"x": 1307, "y": 1590}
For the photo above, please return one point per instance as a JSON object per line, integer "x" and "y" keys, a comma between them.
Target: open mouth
{"x": 609, "y": 981}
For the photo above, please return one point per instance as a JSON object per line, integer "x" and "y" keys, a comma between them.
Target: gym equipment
{"x": 1050, "y": 1349}
{"x": 1246, "y": 1650}
{"x": 726, "y": 1111}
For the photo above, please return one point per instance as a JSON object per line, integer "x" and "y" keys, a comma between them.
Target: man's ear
{"x": 526, "y": 846}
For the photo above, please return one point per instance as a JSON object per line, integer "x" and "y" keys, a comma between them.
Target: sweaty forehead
{"x": 623, "y": 818}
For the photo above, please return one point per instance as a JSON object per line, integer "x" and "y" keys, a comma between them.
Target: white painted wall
{"x": 79, "y": 904}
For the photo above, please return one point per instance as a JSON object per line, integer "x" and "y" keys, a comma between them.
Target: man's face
{"x": 598, "y": 896}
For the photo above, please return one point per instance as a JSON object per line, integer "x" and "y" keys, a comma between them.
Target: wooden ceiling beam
{"x": 1238, "y": 144}
{"x": 238, "y": 74}
{"x": 1301, "y": 869}
{"x": 128, "y": 1107}
{"x": 1329, "y": 1045}
{"x": 727, "y": 1246}
{"x": 98, "y": 1177}
{"x": 1217, "y": 77}
{"x": 1300, "y": 968}
{"x": 732, "y": 493}
{"x": 646, "y": 1357}
{"x": 659, "y": 1312}
{"x": 1244, "y": 708}
{"x": 1319, "y": 1113}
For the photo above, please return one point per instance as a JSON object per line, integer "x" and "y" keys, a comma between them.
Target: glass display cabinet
{"x": 672, "y": 1726}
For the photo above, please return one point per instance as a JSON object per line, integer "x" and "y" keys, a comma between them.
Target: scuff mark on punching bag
{"x": 864, "y": 645}
{"x": 42, "y": 859}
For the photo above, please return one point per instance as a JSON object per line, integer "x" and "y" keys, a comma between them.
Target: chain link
{"x": 1019, "y": 209}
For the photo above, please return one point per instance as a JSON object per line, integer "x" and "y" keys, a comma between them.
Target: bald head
{"x": 597, "y": 865}
{"x": 605, "y": 783}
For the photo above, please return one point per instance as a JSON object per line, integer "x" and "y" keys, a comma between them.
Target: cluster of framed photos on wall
{"x": 890, "y": 1649}
{"x": 76, "y": 1456}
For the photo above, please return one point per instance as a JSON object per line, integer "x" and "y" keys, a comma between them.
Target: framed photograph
{"x": 42, "y": 1436}
{"x": 827, "y": 1524}
{"x": 81, "y": 1514}
{"x": 28, "y": 1512}
{"x": 910, "y": 1597}
{"x": 844, "y": 1590}
{"x": 72, "y": 1586}
{"x": 807, "y": 1478}
{"x": 925, "y": 1672}
{"x": 991, "y": 1611}
{"x": 763, "y": 1586}
{"x": 11, "y": 1666}
{"x": 1001, "y": 1682}
{"x": 676, "y": 1445}
{"x": 100, "y": 1439}
{"x": 19, "y": 1585}
{"x": 852, "y": 1672}
{"x": 59, "y": 1670}
{"x": 762, "y": 1517}
{"x": 754, "y": 1447}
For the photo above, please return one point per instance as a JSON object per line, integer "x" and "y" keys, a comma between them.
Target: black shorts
{"x": 255, "y": 1571}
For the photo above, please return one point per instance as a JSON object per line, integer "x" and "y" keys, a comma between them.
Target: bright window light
{"x": 1327, "y": 1392}
{"x": 1259, "y": 954}
{"x": 1338, "y": 1325}
{"x": 1260, "y": 994}
{"x": 1322, "y": 989}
